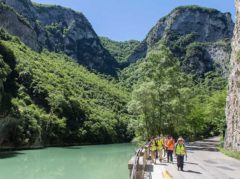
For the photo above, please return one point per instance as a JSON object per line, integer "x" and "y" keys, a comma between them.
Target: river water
{"x": 82, "y": 162}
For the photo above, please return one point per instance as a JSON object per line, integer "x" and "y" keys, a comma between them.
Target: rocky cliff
{"x": 57, "y": 29}
{"x": 232, "y": 138}
{"x": 206, "y": 31}
{"x": 9, "y": 20}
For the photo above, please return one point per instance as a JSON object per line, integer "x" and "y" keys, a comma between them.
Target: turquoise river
{"x": 82, "y": 162}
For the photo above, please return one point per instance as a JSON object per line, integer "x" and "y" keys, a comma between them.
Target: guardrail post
{"x": 140, "y": 168}
{"x": 137, "y": 164}
{"x": 130, "y": 165}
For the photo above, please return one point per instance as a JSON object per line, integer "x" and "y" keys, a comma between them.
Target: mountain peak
{"x": 197, "y": 8}
{"x": 209, "y": 25}
{"x": 59, "y": 29}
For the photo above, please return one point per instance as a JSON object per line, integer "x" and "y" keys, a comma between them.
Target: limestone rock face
{"x": 184, "y": 27}
{"x": 220, "y": 53}
{"x": 232, "y": 138}
{"x": 17, "y": 26}
{"x": 209, "y": 25}
{"x": 58, "y": 29}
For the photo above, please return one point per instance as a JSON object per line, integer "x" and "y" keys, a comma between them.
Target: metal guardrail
{"x": 139, "y": 166}
{"x": 134, "y": 169}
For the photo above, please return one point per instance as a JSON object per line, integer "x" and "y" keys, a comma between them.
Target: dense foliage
{"x": 160, "y": 96}
{"x": 166, "y": 100}
{"x": 120, "y": 50}
{"x": 56, "y": 101}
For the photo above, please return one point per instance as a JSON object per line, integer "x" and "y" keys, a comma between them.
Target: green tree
{"x": 159, "y": 98}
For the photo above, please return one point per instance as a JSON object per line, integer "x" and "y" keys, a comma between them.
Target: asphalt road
{"x": 203, "y": 162}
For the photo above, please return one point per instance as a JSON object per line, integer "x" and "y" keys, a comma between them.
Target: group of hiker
{"x": 161, "y": 146}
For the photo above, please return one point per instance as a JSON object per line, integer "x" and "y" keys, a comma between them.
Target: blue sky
{"x": 131, "y": 19}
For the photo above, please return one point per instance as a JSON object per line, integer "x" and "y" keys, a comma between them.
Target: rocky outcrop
{"x": 232, "y": 138}
{"x": 209, "y": 25}
{"x": 183, "y": 27}
{"x": 220, "y": 54}
{"x": 58, "y": 29}
{"x": 18, "y": 26}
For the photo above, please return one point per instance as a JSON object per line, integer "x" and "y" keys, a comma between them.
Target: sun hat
{"x": 180, "y": 139}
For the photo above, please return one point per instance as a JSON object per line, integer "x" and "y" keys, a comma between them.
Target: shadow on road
{"x": 191, "y": 163}
{"x": 205, "y": 145}
{"x": 202, "y": 148}
{"x": 161, "y": 164}
{"x": 225, "y": 168}
{"x": 211, "y": 140}
{"x": 191, "y": 171}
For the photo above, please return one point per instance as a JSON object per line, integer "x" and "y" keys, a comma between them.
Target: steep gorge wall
{"x": 232, "y": 138}
{"x": 209, "y": 25}
{"x": 57, "y": 29}
{"x": 205, "y": 32}
{"x": 9, "y": 20}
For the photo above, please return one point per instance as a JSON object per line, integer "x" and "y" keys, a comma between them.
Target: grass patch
{"x": 232, "y": 154}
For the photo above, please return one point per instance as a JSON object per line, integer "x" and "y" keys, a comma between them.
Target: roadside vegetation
{"x": 232, "y": 154}
{"x": 167, "y": 100}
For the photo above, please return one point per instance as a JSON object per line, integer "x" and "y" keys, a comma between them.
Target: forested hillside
{"x": 120, "y": 50}
{"x": 57, "y": 29}
{"x": 174, "y": 81}
{"x": 54, "y": 100}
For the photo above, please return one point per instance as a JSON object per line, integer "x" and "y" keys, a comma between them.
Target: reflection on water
{"x": 84, "y": 162}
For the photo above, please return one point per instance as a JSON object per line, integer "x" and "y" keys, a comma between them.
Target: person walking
{"x": 165, "y": 145}
{"x": 160, "y": 147}
{"x": 170, "y": 143}
{"x": 180, "y": 152}
{"x": 153, "y": 149}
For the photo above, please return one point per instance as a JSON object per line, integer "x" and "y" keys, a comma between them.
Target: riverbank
{"x": 10, "y": 148}
{"x": 36, "y": 147}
